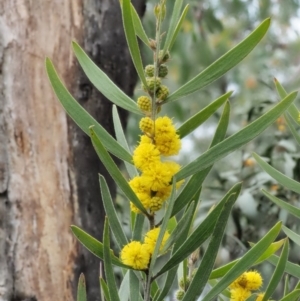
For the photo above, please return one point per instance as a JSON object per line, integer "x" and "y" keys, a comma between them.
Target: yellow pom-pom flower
{"x": 254, "y": 280}
{"x": 240, "y": 282}
{"x": 151, "y": 239}
{"x": 135, "y": 255}
{"x": 158, "y": 174}
{"x": 144, "y": 155}
{"x": 239, "y": 294}
{"x": 145, "y": 199}
{"x": 166, "y": 139}
{"x": 249, "y": 280}
{"x": 138, "y": 185}
{"x": 146, "y": 125}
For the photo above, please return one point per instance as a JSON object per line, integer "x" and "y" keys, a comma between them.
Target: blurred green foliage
{"x": 210, "y": 29}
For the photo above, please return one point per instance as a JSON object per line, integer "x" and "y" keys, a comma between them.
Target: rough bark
{"x": 48, "y": 170}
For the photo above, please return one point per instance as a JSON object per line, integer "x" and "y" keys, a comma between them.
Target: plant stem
{"x": 147, "y": 288}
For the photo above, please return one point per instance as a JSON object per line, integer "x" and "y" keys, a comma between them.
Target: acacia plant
{"x": 164, "y": 196}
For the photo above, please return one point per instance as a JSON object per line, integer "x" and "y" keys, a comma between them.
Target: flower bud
{"x": 179, "y": 295}
{"x": 160, "y": 11}
{"x": 146, "y": 125}
{"x": 144, "y": 103}
{"x": 162, "y": 93}
{"x": 153, "y": 84}
{"x": 163, "y": 71}
{"x": 184, "y": 285}
{"x": 165, "y": 58}
{"x": 149, "y": 70}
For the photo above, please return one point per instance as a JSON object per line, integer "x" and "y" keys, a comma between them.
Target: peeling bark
{"x": 48, "y": 169}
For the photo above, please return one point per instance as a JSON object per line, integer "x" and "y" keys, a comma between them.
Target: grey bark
{"x": 48, "y": 169}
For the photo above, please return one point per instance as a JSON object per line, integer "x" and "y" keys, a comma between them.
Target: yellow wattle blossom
{"x": 249, "y": 280}
{"x": 144, "y": 198}
{"x": 159, "y": 175}
{"x": 151, "y": 239}
{"x": 145, "y": 154}
{"x": 166, "y": 139}
{"x": 136, "y": 255}
{"x": 239, "y": 294}
{"x": 254, "y": 280}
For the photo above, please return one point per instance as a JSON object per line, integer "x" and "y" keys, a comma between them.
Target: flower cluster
{"x": 241, "y": 289}
{"x": 137, "y": 254}
{"x": 153, "y": 187}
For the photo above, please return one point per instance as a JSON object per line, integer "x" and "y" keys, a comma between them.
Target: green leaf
{"x": 94, "y": 245}
{"x": 132, "y": 171}
{"x": 171, "y": 274}
{"x": 181, "y": 227}
{"x": 132, "y": 41}
{"x": 293, "y": 296}
{"x": 111, "y": 213}
{"x": 223, "y": 64}
{"x": 207, "y": 263}
{"x": 292, "y": 128}
{"x": 292, "y": 235}
{"x": 237, "y": 140}
{"x": 221, "y": 271}
{"x": 199, "y": 118}
{"x": 284, "y": 205}
{"x": 82, "y": 118}
{"x": 178, "y": 27}
{"x": 171, "y": 34}
{"x": 134, "y": 286}
{"x": 291, "y": 268}
{"x": 124, "y": 291}
{"x": 286, "y": 285}
{"x": 138, "y": 27}
{"x": 293, "y": 111}
{"x": 108, "y": 268}
{"x": 278, "y": 176}
{"x": 278, "y": 273}
{"x": 194, "y": 185}
{"x": 104, "y": 290}
{"x": 81, "y": 289}
{"x": 201, "y": 233}
{"x": 138, "y": 226}
{"x": 245, "y": 262}
{"x": 114, "y": 171}
{"x": 103, "y": 83}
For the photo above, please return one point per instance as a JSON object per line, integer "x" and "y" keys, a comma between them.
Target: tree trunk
{"x": 48, "y": 169}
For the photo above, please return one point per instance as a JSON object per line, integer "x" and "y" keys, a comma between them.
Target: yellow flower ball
{"x": 144, "y": 155}
{"x": 158, "y": 174}
{"x": 239, "y": 294}
{"x": 139, "y": 185}
{"x": 249, "y": 280}
{"x": 240, "y": 282}
{"x": 151, "y": 239}
{"x": 254, "y": 280}
{"x": 135, "y": 255}
{"x": 166, "y": 139}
